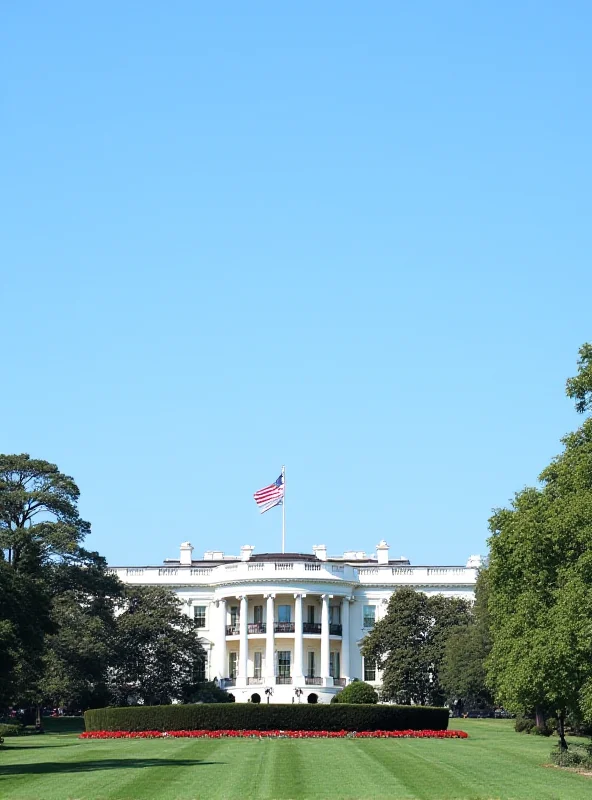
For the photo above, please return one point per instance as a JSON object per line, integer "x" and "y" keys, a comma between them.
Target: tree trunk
{"x": 539, "y": 717}
{"x": 38, "y": 723}
{"x": 561, "y": 730}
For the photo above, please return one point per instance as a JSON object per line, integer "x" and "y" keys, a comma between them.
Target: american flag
{"x": 271, "y": 495}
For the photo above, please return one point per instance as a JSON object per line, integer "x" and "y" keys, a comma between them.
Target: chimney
{"x": 382, "y": 552}
{"x": 246, "y": 552}
{"x": 320, "y": 551}
{"x": 474, "y": 562}
{"x": 186, "y": 551}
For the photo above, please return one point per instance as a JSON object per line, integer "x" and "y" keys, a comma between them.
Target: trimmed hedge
{"x": 263, "y": 717}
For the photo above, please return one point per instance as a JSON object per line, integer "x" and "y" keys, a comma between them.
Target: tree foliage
{"x": 357, "y": 692}
{"x": 409, "y": 642}
{"x": 463, "y": 674}
{"x": 158, "y": 648}
{"x": 39, "y": 517}
{"x": 540, "y": 577}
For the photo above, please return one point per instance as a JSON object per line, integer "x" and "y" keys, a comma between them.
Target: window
{"x": 284, "y": 662}
{"x": 334, "y": 664}
{"x": 310, "y": 670}
{"x": 234, "y": 616}
{"x": 258, "y": 615}
{"x": 334, "y": 615}
{"x": 232, "y": 665}
{"x": 369, "y": 670}
{"x": 284, "y": 613}
{"x": 258, "y": 662}
{"x": 199, "y": 615}
{"x": 369, "y": 616}
{"x": 310, "y": 614}
{"x": 199, "y": 673}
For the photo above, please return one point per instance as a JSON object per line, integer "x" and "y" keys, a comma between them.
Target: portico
{"x": 295, "y": 639}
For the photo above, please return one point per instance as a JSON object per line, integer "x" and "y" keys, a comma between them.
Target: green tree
{"x": 158, "y": 648}
{"x": 463, "y": 674}
{"x": 408, "y": 644}
{"x": 83, "y": 642}
{"x": 39, "y": 517}
{"x": 24, "y": 622}
{"x": 540, "y": 578}
{"x": 53, "y": 593}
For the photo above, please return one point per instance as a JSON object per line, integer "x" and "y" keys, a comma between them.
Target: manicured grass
{"x": 494, "y": 762}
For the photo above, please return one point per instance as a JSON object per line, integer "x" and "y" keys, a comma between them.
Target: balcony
{"x": 232, "y": 630}
{"x": 335, "y": 630}
{"x": 284, "y": 627}
{"x": 311, "y": 627}
{"x": 256, "y": 627}
{"x": 283, "y": 679}
{"x": 310, "y": 680}
{"x": 338, "y": 681}
{"x": 254, "y": 681}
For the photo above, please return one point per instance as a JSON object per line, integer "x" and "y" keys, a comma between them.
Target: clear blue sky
{"x": 353, "y": 238}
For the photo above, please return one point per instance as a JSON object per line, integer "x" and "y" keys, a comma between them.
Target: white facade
{"x": 288, "y": 627}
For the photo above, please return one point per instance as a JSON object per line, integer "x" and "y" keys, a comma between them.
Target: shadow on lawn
{"x": 52, "y": 767}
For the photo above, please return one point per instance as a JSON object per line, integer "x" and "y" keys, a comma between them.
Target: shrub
{"x": 253, "y": 716}
{"x": 10, "y": 729}
{"x": 528, "y": 725}
{"x": 210, "y": 692}
{"x": 576, "y": 756}
{"x": 523, "y": 724}
{"x": 357, "y": 692}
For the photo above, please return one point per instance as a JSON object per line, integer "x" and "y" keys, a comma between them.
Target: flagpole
{"x": 284, "y": 511}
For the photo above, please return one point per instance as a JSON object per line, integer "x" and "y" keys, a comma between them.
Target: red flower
{"x": 276, "y": 734}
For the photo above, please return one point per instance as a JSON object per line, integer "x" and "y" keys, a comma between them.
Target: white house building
{"x": 284, "y": 627}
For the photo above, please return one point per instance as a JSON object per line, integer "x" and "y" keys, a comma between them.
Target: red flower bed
{"x": 275, "y": 735}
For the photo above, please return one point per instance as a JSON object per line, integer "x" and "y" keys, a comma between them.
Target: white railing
{"x": 134, "y": 571}
{"x": 284, "y": 567}
{"x": 231, "y": 567}
{"x": 168, "y": 571}
{"x": 368, "y": 570}
{"x": 312, "y": 567}
{"x": 402, "y": 571}
{"x": 197, "y": 571}
{"x": 258, "y": 565}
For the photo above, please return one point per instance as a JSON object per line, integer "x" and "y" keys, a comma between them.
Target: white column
{"x": 327, "y": 680}
{"x": 269, "y": 641}
{"x": 243, "y": 653}
{"x": 345, "y": 639}
{"x": 297, "y": 669}
{"x": 221, "y": 641}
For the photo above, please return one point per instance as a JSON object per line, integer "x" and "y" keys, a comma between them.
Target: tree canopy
{"x": 39, "y": 516}
{"x": 408, "y": 644}
{"x": 540, "y": 577}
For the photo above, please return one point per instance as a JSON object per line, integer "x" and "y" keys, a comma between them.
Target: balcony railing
{"x": 284, "y": 627}
{"x": 256, "y": 627}
{"x": 339, "y": 681}
{"x": 283, "y": 679}
{"x": 232, "y": 630}
{"x": 335, "y": 630}
{"x": 311, "y": 680}
{"x": 254, "y": 681}
{"x": 311, "y": 627}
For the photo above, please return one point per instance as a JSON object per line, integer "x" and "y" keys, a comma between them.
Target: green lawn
{"x": 494, "y": 762}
